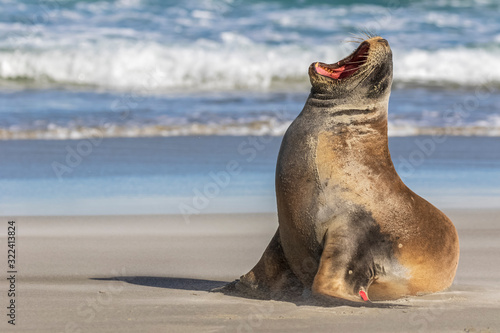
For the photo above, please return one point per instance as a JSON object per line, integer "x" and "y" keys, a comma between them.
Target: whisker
{"x": 359, "y": 67}
{"x": 355, "y": 62}
{"x": 350, "y": 70}
{"x": 366, "y": 33}
{"x": 371, "y": 34}
{"x": 356, "y": 35}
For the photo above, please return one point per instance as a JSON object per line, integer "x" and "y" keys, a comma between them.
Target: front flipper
{"x": 347, "y": 269}
{"x": 271, "y": 278}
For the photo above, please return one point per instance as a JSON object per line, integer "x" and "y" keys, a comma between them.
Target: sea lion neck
{"x": 360, "y": 126}
{"x": 327, "y": 101}
{"x": 347, "y": 112}
{"x": 362, "y": 140}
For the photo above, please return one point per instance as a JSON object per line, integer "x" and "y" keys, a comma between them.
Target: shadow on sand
{"x": 168, "y": 282}
{"x": 225, "y": 288}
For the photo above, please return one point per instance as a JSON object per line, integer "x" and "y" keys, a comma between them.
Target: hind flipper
{"x": 337, "y": 276}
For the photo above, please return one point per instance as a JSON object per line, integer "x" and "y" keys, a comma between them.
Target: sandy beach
{"x": 119, "y": 116}
{"x": 152, "y": 273}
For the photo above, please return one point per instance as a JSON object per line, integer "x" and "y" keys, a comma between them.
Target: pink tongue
{"x": 334, "y": 75}
{"x": 363, "y": 295}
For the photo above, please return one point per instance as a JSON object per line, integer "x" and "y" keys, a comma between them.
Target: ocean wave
{"x": 262, "y": 127}
{"x": 268, "y": 127}
{"x": 234, "y": 64}
{"x": 408, "y": 130}
{"x": 461, "y": 66}
{"x": 152, "y": 67}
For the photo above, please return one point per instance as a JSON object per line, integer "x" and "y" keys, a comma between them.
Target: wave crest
{"x": 264, "y": 127}
{"x": 230, "y": 65}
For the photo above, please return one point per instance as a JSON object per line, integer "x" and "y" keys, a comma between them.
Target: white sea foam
{"x": 256, "y": 127}
{"x": 236, "y": 63}
{"x": 270, "y": 126}
{"x": 460, "y": 66}
{"x": 203, "y": 65}
{"x": 207, "y": 45}
{"x": 474, "y": 130}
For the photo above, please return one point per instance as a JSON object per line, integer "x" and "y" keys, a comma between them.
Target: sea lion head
{"x": 363, "y": 76}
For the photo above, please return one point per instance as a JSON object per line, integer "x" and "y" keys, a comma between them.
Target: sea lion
{"x": 349, "y": 228}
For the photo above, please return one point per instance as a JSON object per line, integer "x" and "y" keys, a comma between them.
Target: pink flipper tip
{"x": 363, "y": 295}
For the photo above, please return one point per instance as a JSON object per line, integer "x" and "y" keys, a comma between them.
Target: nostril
{"x": 383, "y": 41}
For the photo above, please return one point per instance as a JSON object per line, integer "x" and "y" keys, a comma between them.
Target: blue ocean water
{"x": 161, "y": 93}
{"x": 207, "y": 174}
{"x": 148, "y": 68}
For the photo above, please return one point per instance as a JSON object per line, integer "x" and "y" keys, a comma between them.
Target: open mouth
{"x": 345, "y": 67}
